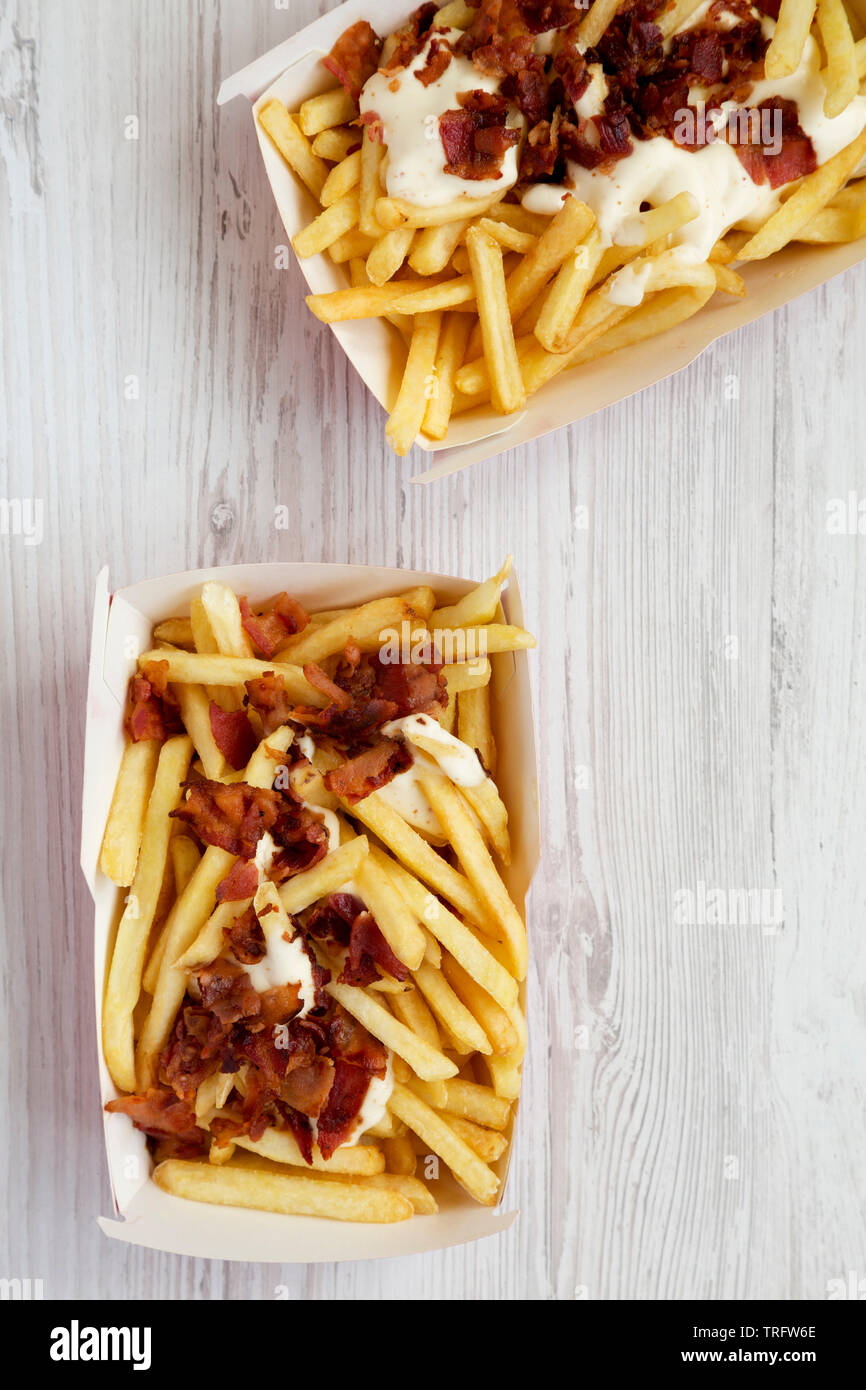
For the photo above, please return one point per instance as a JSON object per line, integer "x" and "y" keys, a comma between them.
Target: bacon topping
{"x": 280, "y": 618}
{"x": 241, "y": 881}
{"x": 344, "y": 921}
{"x": 234, "y": 816}
{"x": 345, "y": 1098}
{"x": 245, "y": 937}
{"x": 151, "y": 711}
{"x": 439, "y": 56}
{"x": 368, "y": 771}
{"x": 354, "y": 58}
{"x": 796, "y": 156}
{"x": 162, "y": 1115}
{"x": 412, "y": 37}
{"x": 270, "y": 699}
{"x": 475, "y": 138}
{"x": 233, "y": 735}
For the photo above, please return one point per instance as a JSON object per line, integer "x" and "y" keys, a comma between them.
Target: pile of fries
{"x": 453, "y": 1026}
{"x": 493, "y": 301}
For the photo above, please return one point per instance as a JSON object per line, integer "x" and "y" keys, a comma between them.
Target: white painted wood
{"x": 694, "y": 1109}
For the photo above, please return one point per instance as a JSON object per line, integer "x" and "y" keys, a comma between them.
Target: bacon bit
{"x": 151, "y": 710}
{"x": 412, "y": 37}
{"x": 344, "y": 921}
{"x": 476, "y": 137}
{"x": 300, "y": 1127}
{"x": 162, "y": 1115}
{"x": 320, "y": 681}
{"x": 227, "y": 991}
{"x": 240, "y": 882}
{"x": 529, "y": 91}
{"x": 306, "y": 1088}
{"x": 375, "y": 126}
{"x": 368, "y": 771}
{"x": 233, "y": 735}
{"x": 355, "y": 57}
{"x": 439, "y": 58}
{"x": 795, "y": 158}
{"x": 233, "y": 816}
{"x": 345, "y": 1098}
{"x": 245, "y": 937}
{"x": 269, "y": 698}
{"x": 280, "y": 1004}
{"x": 349, "y": 1041}
{"x": 281, "y": 617}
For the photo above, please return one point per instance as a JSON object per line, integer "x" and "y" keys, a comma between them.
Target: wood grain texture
{"x": 694, "y": 1109}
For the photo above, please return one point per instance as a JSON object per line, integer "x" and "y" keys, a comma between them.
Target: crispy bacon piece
{"x": 151, "y": 711}
{"x": 162, "y": 1115}
{"x": 227, "y": 991}
{"x": 529, "y": 91}
{"x": 322, "y": 682}
{"x": 233, "y": 735}
{"x": 280, "y": 618}
{"x": 344, "y": 921}
{"x": 280, "y": 1004}
{"x": 232, "y": 816}
{"x": 439, "y": 57}
{"x": 796, "y": 156}
{"x": 498, "y": 40}
{"x": 187, "y": 1060}
{"x": 355, "y": 57}
{"x": 368, "y": 771}
{"x": 245, "y": 937}
{"x": 350, "y": 1042}
{"x": 475, "y": 138}
{"x": 345, "y": 1098}
{"x": 269, "y": 698}
{"x": 241, "y": 881}
{"x": 375, "y": 126}
{"x": 412, "y": 37}
{"x": 306, "y": 1088}
{"x": 300, "y": 1127}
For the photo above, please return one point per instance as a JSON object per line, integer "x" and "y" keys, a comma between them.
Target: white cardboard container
{"x": 293, "y": 71}
{"x": 122, "y": 624}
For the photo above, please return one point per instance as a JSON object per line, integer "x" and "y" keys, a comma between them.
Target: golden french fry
{"x": 224, "y": 615}
{"x": 473, "y": 674}
{"x": 491, "y": 1016}
{"x": 813, "y": 193}
{"x": 396, "y": 212}
{"x": 449, "y": 357}
{"x": 448, "y": 294}
{"x": 728, "y": 281}
{"x": 184, "y": 858}
{"x": 453, "y": 934}
{"x": 281, "y": 1146}
{"x": 433, "y": 247}
{"x": 406, "y": 418}
{"x": 841, "y": 78}
{"x": 672, "y": 19}
{"x": 643, "y": 229}
{"x": 123, "y": 829}
{"x": 400, "y": 1157}
{"x": 567, "y": 292}
{"x": 486, "y": 1143}
{"x": 293, "y": 145}
{"x": 411, "y": 1009}
{"x": 362, "y": 301}
{"x": 834, "y": 225}
{"x": 354, "y": 245}
{"x": 195, "y": 702}
{"x": 789, "y": 38}
{"x": 477, "y": 607}
{"x": 435, "y": 1131}
{"x": 325, "y": 110}
{"x": 288, "y": 1194}
{"x": 473, "y": 1102}
{"x": 455, "y": 15}
{"x": 478, "y": 866}
{"x": 510, "y": 237}
{"x": 335, "y": 143}
{"x": 417, "y": 855}
{"x": 364, "y": 626}
{"x": 326, "y": 877}
{"x": 388, "y": 255}
{"x": 177, "y": 632}
{"x": 130, "y": 947}
{"x": 330, "y": 224}
{"x": 341, "y": 180}
{"x": 460, "y": 1023}
{"x": 474, "y": 725}
{"x": 186, "y": 668}
{"x": 485, "y": 256}
{"x": 596, "y": 20}
{"x": 372, "y": 153}
{"x": 426, "y": 1061}
{"x": 395, "y": 921}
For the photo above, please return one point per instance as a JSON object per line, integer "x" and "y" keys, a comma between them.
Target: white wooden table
{"x": 693, "y": 1122}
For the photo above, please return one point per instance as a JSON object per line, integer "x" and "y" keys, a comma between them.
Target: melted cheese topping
{"x": 410, "y": 113}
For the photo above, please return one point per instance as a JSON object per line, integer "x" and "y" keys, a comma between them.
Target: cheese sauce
{"x": 655, "y": 171}
{"x": 410, "y": 113}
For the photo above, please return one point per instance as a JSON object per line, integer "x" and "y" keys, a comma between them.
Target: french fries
{"x": 258, "y": 895}
{"x": 521, "y": 296}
